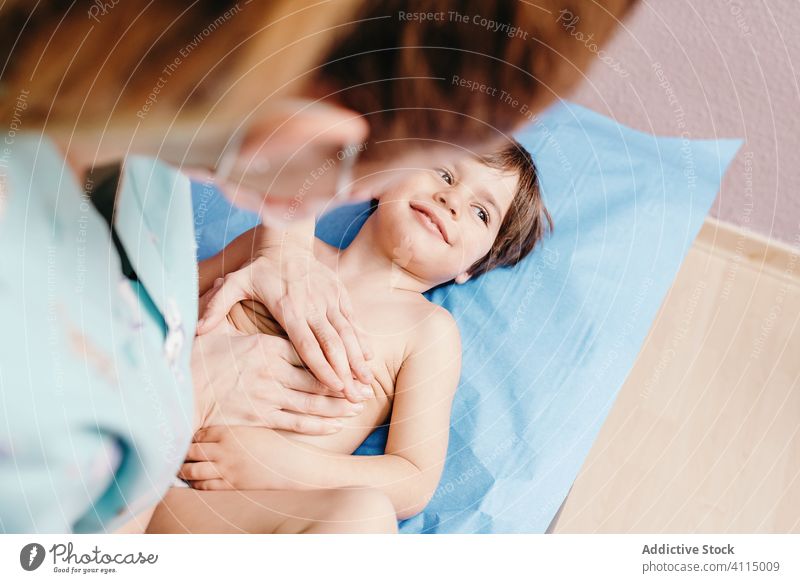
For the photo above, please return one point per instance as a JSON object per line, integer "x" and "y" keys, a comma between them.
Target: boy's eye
{"x": 446, "y": 176}
{"x": 482, "y": 214}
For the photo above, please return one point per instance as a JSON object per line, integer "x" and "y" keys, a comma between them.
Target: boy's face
{"x": 436, "y": 222}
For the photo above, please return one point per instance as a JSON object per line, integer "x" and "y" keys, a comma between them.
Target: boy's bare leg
{"x": 346, "y": 510}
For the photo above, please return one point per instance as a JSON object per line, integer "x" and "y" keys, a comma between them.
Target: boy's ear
{"x": 462, "y": 277}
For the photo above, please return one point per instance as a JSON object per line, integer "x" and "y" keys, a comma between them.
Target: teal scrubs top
{"x": 96, "y": 400}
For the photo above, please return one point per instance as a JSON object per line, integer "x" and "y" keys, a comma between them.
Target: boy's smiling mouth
{"x": 430, "y": 220}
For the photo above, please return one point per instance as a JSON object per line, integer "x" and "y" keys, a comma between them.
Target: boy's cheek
{"x": 470, "y": 254}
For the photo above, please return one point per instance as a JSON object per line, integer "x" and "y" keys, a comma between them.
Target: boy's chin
{"x": 439, "y": 281}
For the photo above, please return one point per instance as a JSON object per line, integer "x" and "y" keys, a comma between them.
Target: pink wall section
{"x": 716, "y": 68}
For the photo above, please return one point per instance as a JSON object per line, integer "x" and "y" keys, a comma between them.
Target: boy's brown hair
{"x": 527, "y": 220}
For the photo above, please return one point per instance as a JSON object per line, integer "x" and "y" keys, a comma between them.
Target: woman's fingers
{"x": 220, "y": 299}
{"x": 299, "y": 379}
{"x": 211, "y": 434}
{"x": 290, "y": 355}
{"x": 215, "y": 484}
{"x": 201, "y": 452}
{"x": 199, "y": 471}
{"x": 334, "y": 350}
{"x": 294, "y": 377}
{"x": 306, "y": 424}
{"x": 319, "y": 405}
{"x": 308, "y": 348}
{"x": 355, "y": 353}
{"x": 346, "y": 308}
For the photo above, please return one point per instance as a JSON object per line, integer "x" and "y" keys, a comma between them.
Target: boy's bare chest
{"x": 387, "y": 326}
{"x": 389, "y": 329}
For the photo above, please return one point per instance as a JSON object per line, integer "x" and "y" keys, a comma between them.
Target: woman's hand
{"x": 253, "y": 380}
{"x": 307, "y": 300}
{"x": 242, "y": 458}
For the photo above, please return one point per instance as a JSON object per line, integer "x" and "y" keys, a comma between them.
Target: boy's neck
{"x": 364, "y": 265}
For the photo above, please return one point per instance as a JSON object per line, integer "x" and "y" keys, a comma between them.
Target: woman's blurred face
{"x": 381, "y": 171}
{"x": 301, "y": 159}
{"x": 286, "y": 165}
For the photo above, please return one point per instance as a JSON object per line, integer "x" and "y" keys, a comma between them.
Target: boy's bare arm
{"x": 255, "y": 458}
{"x": 420, "y": 422}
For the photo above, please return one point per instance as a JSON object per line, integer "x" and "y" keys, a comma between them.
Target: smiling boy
{"x": 427, "y": 228}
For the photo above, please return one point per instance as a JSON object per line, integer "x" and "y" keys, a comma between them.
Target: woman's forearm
{"x": 247, "y": 245}
{"x": 232, "y": 257}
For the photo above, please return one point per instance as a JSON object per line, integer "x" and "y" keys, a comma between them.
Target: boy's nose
{"x": 450, "y": 202}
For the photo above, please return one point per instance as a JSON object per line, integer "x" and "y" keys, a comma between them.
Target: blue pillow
{"x": 548, "y": 343}
{"x": 216, "y": 221}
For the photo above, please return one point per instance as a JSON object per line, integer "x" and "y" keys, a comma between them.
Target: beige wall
{"x": 725, "y": 68}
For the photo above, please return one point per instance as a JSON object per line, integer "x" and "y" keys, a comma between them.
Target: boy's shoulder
{"x": 434, "y": 348}
{"x": 433, "y": 323}
{"x": 434, "y": 314}
{"x": 325, "y": 253}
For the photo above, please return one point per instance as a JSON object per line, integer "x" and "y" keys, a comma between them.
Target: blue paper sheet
{"x": 548, "y": 344}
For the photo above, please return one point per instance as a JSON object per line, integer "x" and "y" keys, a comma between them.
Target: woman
{"x": 102, "y": 384}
